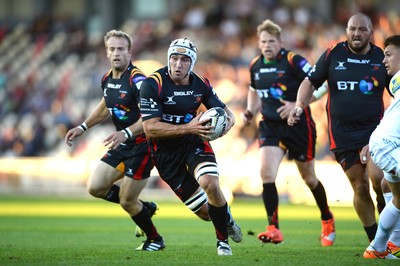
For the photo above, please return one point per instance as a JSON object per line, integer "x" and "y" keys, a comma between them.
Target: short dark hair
{"x": 392, "y": 40}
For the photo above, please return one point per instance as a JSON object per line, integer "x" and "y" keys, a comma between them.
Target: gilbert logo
{"x": 340, "y": 66}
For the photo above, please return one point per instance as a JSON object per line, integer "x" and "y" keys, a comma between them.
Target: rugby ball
{"x": 219, "y": 120}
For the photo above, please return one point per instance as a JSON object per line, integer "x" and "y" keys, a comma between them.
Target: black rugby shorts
{"x": 176, "y": 166}
{"x": 298, "y": 140}
{"x": 132, "y": 159}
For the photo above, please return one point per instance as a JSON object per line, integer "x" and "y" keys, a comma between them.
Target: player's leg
{"x": 271, "y": 157}
{"x": 394, "y": 240}
{"x": 388, "y": 222}
{"x": 138, "y": 165}
{"x": 195, "y": 198}
{"x": 307, "y": 172}
{"x": 101, "y": 182}
{"x": 385, "y": 154}
{"x": 206, "y": 173}
{"x": 198, "y": 203}
{"x": 140, "y": 214}
{"x": 376, "y": 176}
{"x": 203, "y": 167}
{"x": 362, "y": 200}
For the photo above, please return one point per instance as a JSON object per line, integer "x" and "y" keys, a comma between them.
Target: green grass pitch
{"x": 88, "y": 231}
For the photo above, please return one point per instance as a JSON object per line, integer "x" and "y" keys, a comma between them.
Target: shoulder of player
{"x": 336, "y": 49}
{"x": 339, "y": 47}
{"x": 292, "y": 58}
{"x": 106, "y": 75}
{"x": 136, "y": 75}
{"x": 135, "y": 71}
{"x": 156, "y": 76}
{"x": 201, "y": 79}
{"x": 377, "y": 49}
{"x": 254, "y": 61}
{"x": 154, "y": 82}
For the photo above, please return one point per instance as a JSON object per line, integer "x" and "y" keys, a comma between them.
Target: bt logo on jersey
{"x": 346, "y": 85}
{"x": 365, "y": 85}
{"x": 176, "y": 119}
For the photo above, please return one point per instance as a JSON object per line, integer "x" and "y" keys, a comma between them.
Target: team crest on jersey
{"x": 375, "y": 67}
{"x": 394, "y": 84}
{"x": 280, "y": 73}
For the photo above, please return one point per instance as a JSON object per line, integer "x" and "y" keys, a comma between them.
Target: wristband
{"x": 128, "y": 132}
{"x": 298, "y": 110}
{"x": 321, "y": 91}
{"x": 83, "y": 126}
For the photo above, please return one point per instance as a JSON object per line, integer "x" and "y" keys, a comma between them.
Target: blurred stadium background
{"x": 52, "y": 58}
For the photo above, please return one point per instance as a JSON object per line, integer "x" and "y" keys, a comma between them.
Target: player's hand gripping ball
{"x": 219, "y": 120}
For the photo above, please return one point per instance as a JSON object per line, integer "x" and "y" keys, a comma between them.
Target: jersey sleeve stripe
{"x": 106, "y": 75}
{"x": 253, "y": 61}
{"x": 330, "y": 49}
{"x": 203, "y": 79}
{"x": 290, "y": 57}
{"x": 158, "y": 79}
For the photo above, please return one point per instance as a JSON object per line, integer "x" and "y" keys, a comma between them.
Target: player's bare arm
{"x": 253, "y": 106}
{"x": 304, "y": 95}
{"x": 155, "y": 128}
{"x": 231, "y": 120}
{"x": 98, "y": 115}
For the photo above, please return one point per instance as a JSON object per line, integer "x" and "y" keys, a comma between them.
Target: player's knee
{"x": 361, "y": 190}
{"x": 210, "y": 184}
{"x": 130, "y": 205}
{"x": 266, "y": 177}
{"x": 125, "y": 204}
{"x": 96, "y": 191}
{"x": 311, "y": 181}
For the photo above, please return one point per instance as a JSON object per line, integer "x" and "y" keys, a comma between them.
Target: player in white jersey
{"x": 384, "y": 146}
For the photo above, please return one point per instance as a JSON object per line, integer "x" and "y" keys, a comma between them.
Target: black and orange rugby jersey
{"x": 122, "y": 98}
{"x": 356, "y": 84}
{"x": 279, "y": 79}
{"x": 175, "y": 104}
